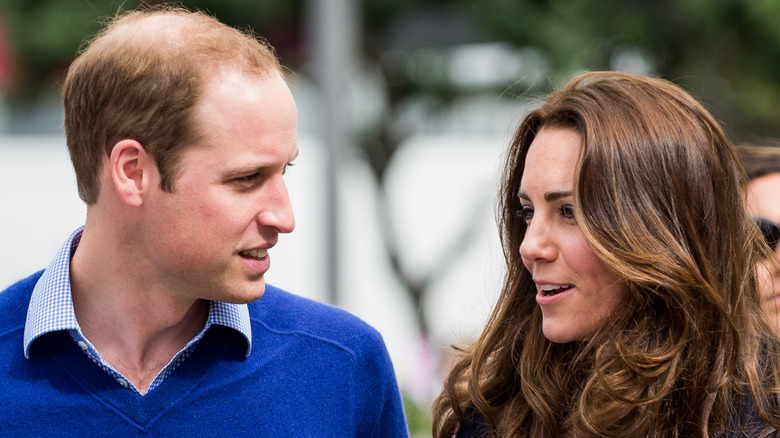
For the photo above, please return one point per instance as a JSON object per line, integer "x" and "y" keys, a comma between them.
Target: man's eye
{"x": 525, "y": 214}
{"x": 247, "y": 179}
{"x": 287, "y": 166}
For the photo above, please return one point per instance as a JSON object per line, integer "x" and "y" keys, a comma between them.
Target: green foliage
{"x": 724, "y": 51}
{"x": 45, "y": 35}
{"x": 419, "y": 419}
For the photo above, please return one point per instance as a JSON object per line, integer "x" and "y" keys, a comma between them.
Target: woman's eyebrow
{"x": 549, "y": 196}
{"x": 554, "y": 196}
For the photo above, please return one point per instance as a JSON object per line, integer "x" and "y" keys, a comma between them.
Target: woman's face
{"x": 574, "y": 288}
{"x": 769, "y": 286}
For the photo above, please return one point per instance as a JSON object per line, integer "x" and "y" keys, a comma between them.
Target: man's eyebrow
{"x": 236, "y": 172}
{"x": 549, "y": 196}
{"x": 248, "y": 170}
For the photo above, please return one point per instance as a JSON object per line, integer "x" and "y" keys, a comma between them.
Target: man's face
{"x": 209, "y": 237}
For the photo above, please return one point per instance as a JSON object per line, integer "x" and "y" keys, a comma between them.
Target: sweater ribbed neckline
{"x": 139, "y": 410}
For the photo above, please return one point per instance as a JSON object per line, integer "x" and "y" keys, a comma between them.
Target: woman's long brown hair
{"x": 659, "y": 198}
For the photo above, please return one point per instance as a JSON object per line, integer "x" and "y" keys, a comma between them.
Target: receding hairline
{"x": 164, "y": 28}
{"x": 175, "y": 31}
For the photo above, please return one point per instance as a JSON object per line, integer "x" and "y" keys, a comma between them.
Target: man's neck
{"x": 135, "y": 325}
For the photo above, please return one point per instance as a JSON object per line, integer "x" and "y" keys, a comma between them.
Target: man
{"x": 180, "y": 130}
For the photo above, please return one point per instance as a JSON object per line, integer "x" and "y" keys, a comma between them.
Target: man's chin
{"x": 249, "y": 294}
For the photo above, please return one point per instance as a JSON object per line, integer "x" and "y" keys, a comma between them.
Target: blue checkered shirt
{"x": 51, "y": 309}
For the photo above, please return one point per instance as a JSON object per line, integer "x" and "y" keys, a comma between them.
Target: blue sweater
{"x": 314, "y": 371}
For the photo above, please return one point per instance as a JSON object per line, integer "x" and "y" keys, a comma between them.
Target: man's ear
{"x": 131, "y": 171}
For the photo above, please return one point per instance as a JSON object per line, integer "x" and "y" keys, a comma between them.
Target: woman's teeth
{"x": 550, "y": 290}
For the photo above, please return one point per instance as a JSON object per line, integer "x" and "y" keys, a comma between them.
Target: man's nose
{"x": 276, "y": 209}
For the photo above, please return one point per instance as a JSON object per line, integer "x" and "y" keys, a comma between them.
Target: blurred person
{"x": 762, "y": 166}
{"x": 769, "y": 271}
{"x": 150, "y": 321}
{"x": 625, "y": 310}
{"x": 7, "y": 64}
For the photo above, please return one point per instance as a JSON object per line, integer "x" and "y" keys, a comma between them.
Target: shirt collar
{"x": 51, "y": 304}
{"x": 234, "y": 316}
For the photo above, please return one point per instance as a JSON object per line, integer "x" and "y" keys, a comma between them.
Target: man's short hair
{"x": 759, "y": 161}
{"x": 141, "y": 78}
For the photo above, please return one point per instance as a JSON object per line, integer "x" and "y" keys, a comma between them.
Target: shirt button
{"x": 123, "y": 382}
{"x": 83, "y": 345}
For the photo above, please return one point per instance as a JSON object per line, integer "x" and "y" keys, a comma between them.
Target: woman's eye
{"x": 525, "y": 214}
{"x": 567, "y": 211}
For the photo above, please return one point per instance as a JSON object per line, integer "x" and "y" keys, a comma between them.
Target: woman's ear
{"x": 131, "y": 171}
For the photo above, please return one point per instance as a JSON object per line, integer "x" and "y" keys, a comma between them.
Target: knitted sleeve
{"x": 379, "y": 409}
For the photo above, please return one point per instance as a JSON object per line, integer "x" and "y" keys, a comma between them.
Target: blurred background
{"x": 405, "y": 108}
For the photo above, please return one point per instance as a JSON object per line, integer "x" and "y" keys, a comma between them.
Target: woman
{"x": 630, "y": 305}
